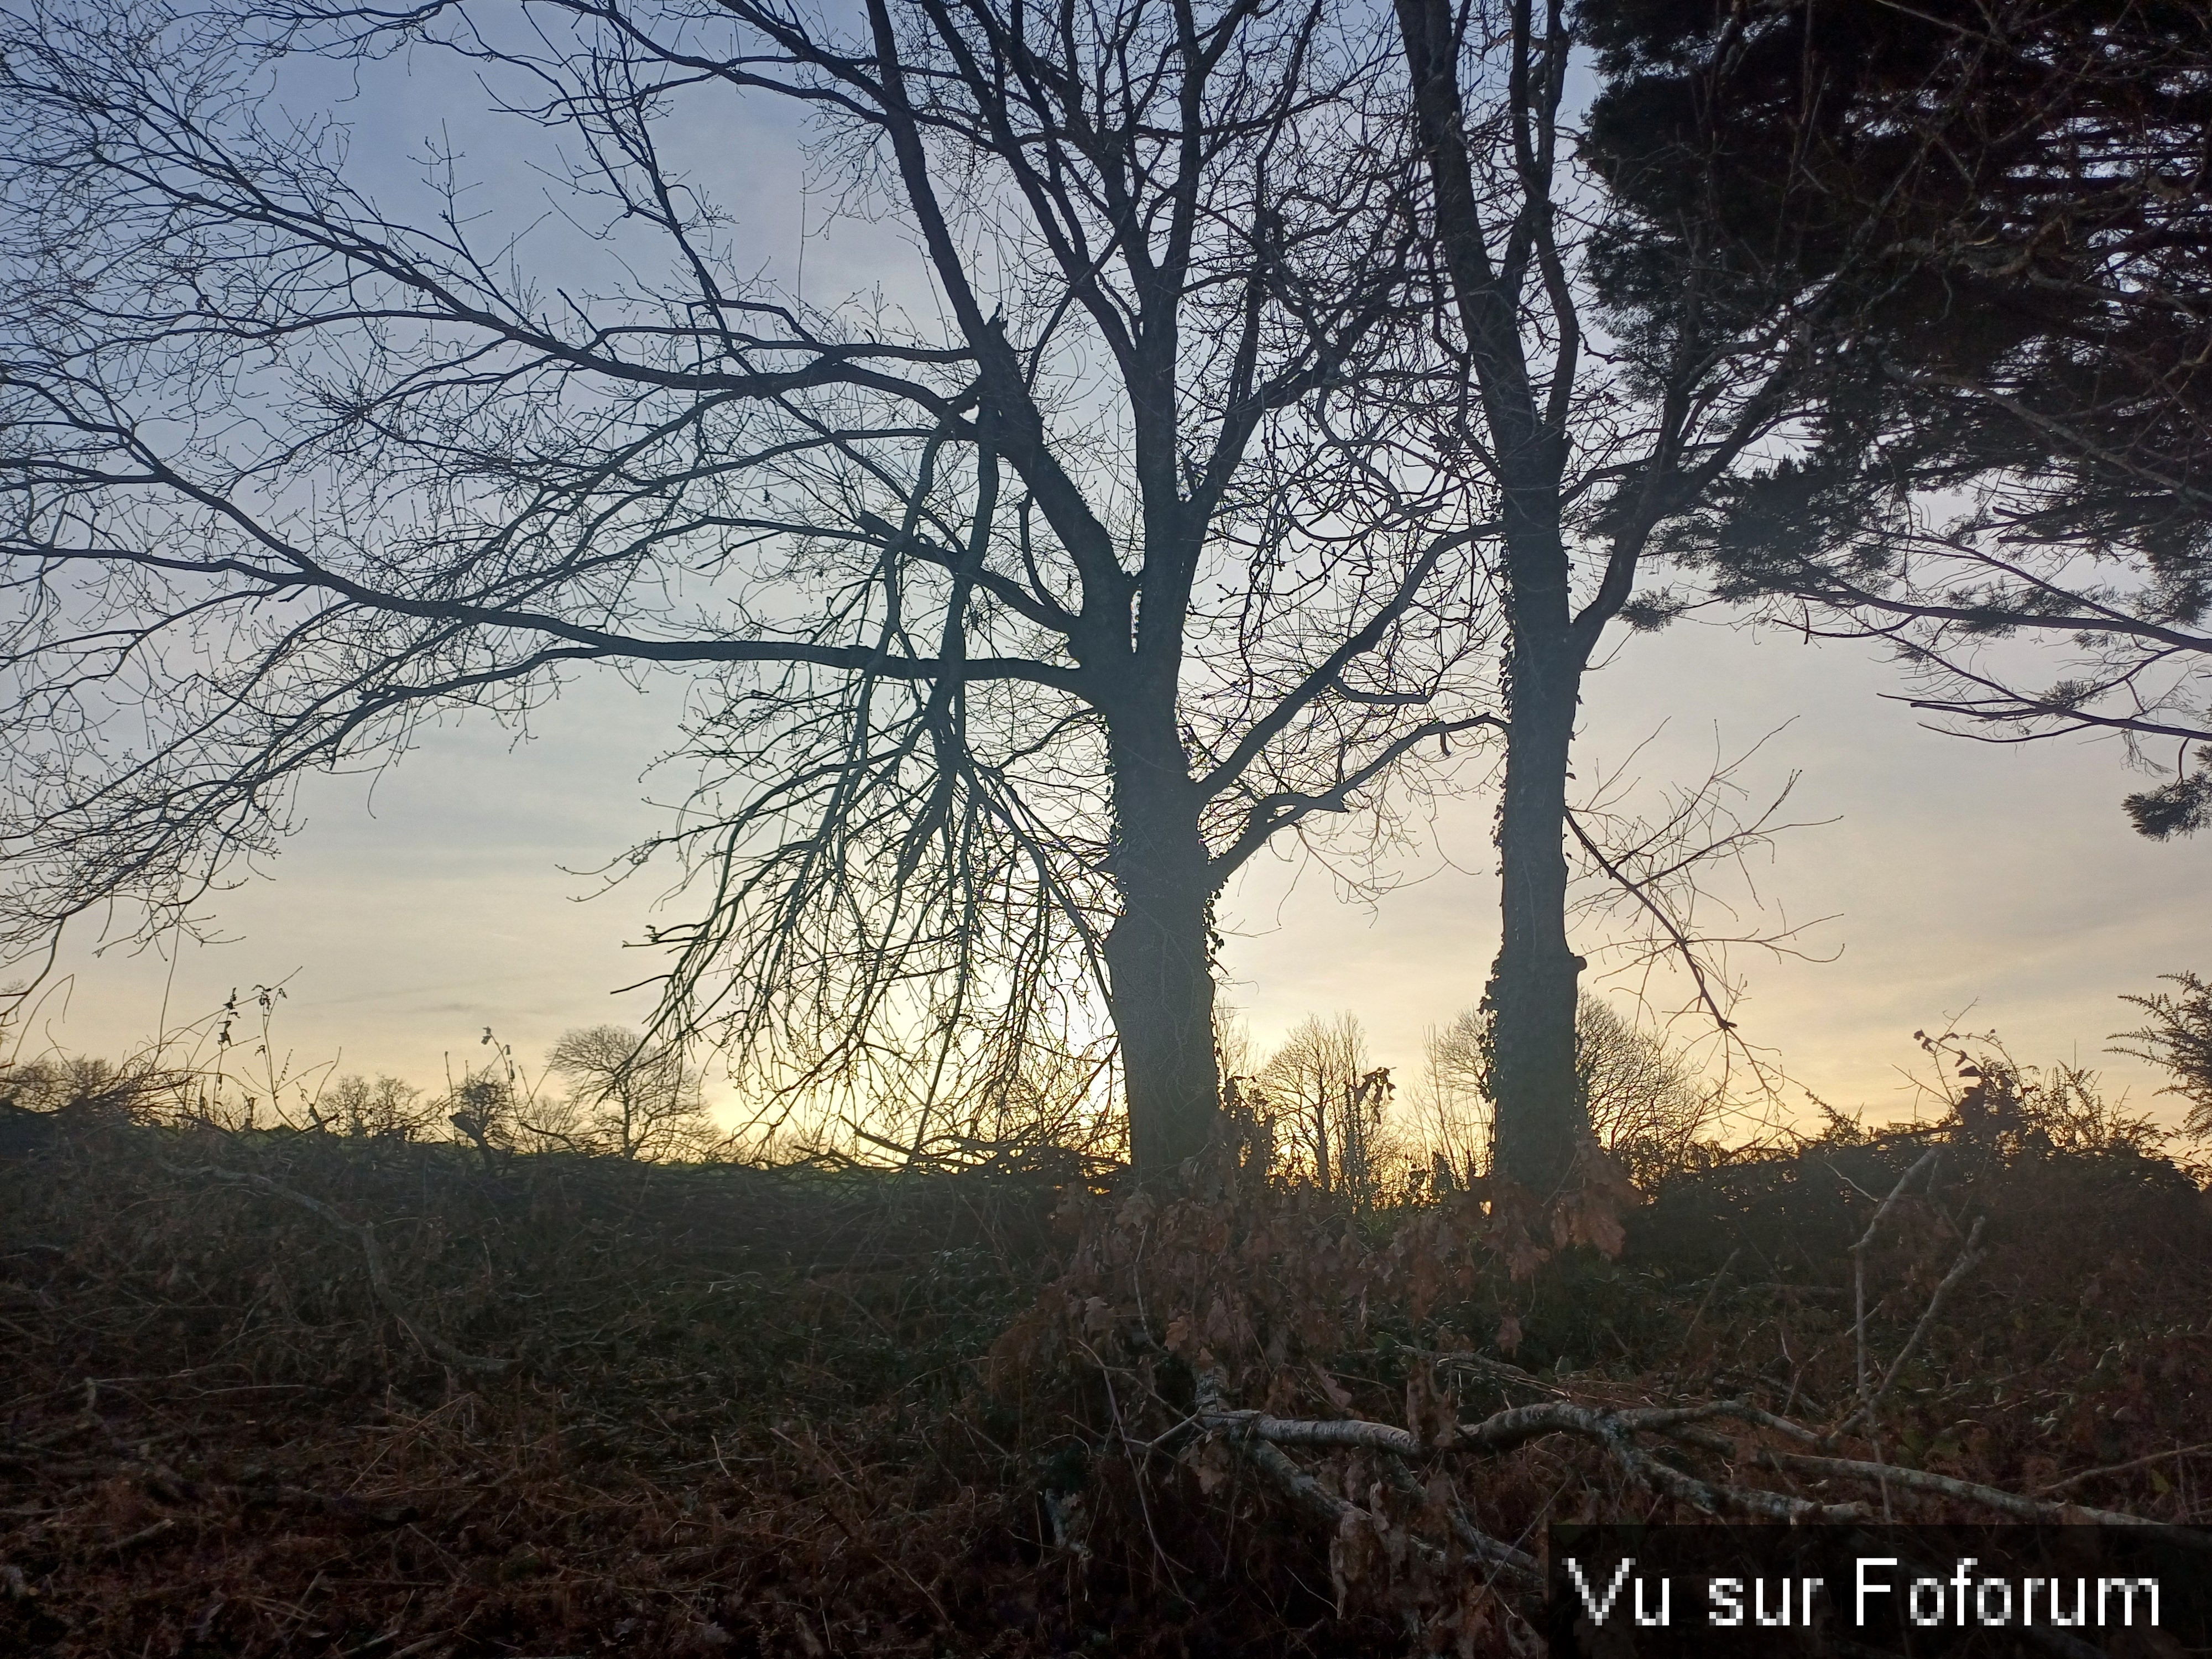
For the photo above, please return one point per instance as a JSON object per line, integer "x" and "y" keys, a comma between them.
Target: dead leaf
{"x": 1430, "y": 1412}
{"x": 1333, "y": 1388}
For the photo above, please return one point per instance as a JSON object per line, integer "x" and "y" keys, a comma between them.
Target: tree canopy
{"x": 2009, "y": 404}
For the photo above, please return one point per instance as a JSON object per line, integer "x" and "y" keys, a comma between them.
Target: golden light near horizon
{"x": 1999, "y": 887}
{"x": 1937, "y": 880}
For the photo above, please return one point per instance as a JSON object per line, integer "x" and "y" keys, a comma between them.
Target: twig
{"x": 1858, "y": 1263}
{"x": 1968, "y": 1258}
{"x": 342, "y": 1504}
{"x": 1136, "y": 1468}
{"x": 372, "y": 1253}
{"x": 2132, "y": 1463}
{"x": 2027, "y": 1509}
{"x": 1509, "y": 1562}
{"x": 1706, "y": 1301}
{"x": 160, "y": 1529}
{"x": 1497, "y": 1370}
{"x": 1664, "y": 1418}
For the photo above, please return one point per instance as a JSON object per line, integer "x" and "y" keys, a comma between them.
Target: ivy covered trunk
{"x": 1534, "y": 986}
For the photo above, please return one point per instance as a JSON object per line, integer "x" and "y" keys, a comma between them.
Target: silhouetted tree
{"x": 1321, "y": 1086}
{"x": 389, "y": 1109}
{"x": 1647, "y": 1104}
{"x": 2009, "y": 406}
{"x": 1021, "y": 605}
{"x": 1582, "y": 439}
{"x": 627, "y": 1095}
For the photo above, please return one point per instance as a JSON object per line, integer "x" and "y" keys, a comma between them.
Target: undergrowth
{"x": 601, "y": 1407}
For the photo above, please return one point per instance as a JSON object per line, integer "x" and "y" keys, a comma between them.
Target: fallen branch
{"x": 1518, "y": 1425}
{"x": 1613, "y": 1429}
{"x": 1503, "y": 1430}
{"x": 2132, "y": 1463}
{"x": 1261, "y": 1437}
{"x": 1255, "y": 1435}
{"x": 365, "y": 1234}
{"x": 1328, "y": 1432}
{"x": 1495, "y": 1552}
{"x": 1995, "y": 1497}
{"x": 1507, "y": 1561}
{"x": 1716, "y": 1498}
{"x": 1303, "y": 1488}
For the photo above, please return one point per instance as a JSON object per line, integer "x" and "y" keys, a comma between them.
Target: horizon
{"x": 1998, "y": 886}
{"x": 471, "y": 860}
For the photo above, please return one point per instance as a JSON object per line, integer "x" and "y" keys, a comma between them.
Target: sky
{"x": 1998, "y": 887}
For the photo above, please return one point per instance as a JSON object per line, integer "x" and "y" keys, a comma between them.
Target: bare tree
{"x": 1321, "y": 1084}
{"x": 1021, "y": 607}
{"x": 1581, "y": 438}
{"x": 627, "y": 1095}
{"x": 1451, "y": 1102}
{"x": 1648, "y": 1104}
{"x": 388, "y": 1109}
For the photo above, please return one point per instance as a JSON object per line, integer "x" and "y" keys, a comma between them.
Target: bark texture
{"x": 1535, "y": 984}
{"x": 1159, "y": 956}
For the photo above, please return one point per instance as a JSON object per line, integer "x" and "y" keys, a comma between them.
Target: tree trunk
{"x": 1540, "y": 1115}
{"x": 1159, "y": 962}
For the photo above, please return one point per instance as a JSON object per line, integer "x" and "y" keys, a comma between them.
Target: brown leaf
{"x": 1590, "y": 1210}
{"x": 1509, "y": 1333}
{"x": 1220, "y": 1325}
{"x": 1587, "y": 1217}
{"x": 1333, "y": 1388}
{"x": 1512, "y": 1209}
{"x": 1430, "y": 1412}
{"x": 1211, "y": 1462}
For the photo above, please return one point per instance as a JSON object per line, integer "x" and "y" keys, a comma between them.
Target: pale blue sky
{"x": 406, "y": 918}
